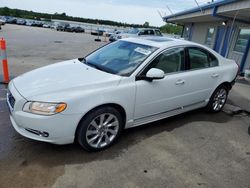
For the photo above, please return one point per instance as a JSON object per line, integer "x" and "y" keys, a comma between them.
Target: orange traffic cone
{"x": 4, "y": 61}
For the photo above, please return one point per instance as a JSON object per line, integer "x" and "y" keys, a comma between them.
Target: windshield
{"x": 133, "y": 31}
{"x": 120, "y": 57}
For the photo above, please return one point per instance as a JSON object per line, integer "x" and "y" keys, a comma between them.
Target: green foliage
{"x": 171, "y": 29}
{"x": 146, "y": 24}
{"x": 5, "y": 11}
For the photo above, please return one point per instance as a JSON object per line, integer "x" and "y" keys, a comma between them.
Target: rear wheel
{"x": 218, "y": 99}
{"x": 99, "y": 129}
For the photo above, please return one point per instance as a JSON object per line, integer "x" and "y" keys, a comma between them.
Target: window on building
{"x": 242, "y": 39}
{"x": 209, "y": 37}
{"x": 186, "y": 32}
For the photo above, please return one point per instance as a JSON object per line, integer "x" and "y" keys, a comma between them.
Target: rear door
{"x": 203, "y": 74}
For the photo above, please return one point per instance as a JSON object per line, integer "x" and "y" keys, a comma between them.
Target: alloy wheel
{"x": 102, "y": 130}
{"x": 219, "y": 99}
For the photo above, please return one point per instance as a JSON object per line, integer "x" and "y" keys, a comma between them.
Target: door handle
{"x": 180, "y": 82}
{"x": 215, "y": 75}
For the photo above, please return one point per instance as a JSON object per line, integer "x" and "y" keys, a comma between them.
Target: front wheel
{"x": 99, "y": 129}
{"x": 218, "y": 99}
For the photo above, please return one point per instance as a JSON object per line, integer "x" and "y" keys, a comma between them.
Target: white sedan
{"x": 124, "y": 84}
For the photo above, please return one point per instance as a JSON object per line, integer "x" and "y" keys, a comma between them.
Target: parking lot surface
{"x": 195, "y": 149}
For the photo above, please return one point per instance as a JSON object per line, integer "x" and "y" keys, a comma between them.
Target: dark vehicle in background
{"x": 79, "y": 29}
{"x": 97, "y": 32}
{"x": 37, "y": 24}
{"x": 69, "y": 28}
{"x": 11, "y": 20}
{"x": 62, "y": 27}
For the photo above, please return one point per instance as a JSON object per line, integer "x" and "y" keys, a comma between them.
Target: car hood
{"x": 62, "y": 77}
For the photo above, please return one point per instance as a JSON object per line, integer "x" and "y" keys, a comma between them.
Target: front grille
{"x": 11, "y": 100}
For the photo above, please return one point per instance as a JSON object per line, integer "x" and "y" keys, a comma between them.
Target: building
{"x": 222, "y": 25}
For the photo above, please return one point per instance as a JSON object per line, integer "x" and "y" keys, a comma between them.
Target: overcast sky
{"x": 130, "y": 11}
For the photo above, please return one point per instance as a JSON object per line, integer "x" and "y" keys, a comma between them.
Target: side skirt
{"x": 167, "y": 114}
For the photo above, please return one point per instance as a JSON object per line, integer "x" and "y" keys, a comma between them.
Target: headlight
{"x": 43, "y": 108}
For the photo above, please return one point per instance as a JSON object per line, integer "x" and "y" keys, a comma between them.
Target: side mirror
{"x": 155, "y": 74}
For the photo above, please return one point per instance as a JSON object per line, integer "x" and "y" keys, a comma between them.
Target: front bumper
{"x": 57, "y": 129}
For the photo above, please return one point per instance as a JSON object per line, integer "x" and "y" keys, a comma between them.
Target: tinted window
{"x": 200, "y": 58}
{"x": 147, "y": 32}
{"x": 170, "y": 61}
{"x": 213, "y": 60}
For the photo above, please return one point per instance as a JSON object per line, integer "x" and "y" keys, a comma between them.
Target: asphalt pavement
{"x": 195, "y": 149}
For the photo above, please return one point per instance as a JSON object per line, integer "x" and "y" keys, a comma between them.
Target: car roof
{"x": 159, "y": 42}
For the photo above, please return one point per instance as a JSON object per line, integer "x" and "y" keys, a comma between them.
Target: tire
{"x": 218, "y": 99}
{"x": 249, "y": 130}
{"x": 99, "y": 129}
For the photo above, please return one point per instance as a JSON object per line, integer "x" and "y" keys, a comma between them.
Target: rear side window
{"x": 147, "y": 32}
{"x": 158, "y": 33}
{"x": 200, "y": 58}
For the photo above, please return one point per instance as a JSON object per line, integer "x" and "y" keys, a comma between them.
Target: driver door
{"x": 163, "y": 95}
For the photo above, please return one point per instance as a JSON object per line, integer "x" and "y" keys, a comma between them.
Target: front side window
{"x": 170, "y": 61}
{"x": 199, "y": 58}
{"x": 120, "y": 57}
{"x": 209, "y": 38}
{"x": 241, "y": 42}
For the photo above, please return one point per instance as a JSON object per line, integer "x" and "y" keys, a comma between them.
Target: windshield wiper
{"x": 96, "y": 66}
{"x": 100, "y": 67}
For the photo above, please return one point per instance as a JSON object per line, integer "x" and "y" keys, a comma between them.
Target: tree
{"x": 146, "y": 24}
{"x": 171, "y": 29}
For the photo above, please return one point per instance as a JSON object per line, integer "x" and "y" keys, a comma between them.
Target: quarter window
{"x": 242, "y": 39}
{"x": 170, "y": 61}
{"x": 199, "y": 58}
{"x": 209, "y": 38}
